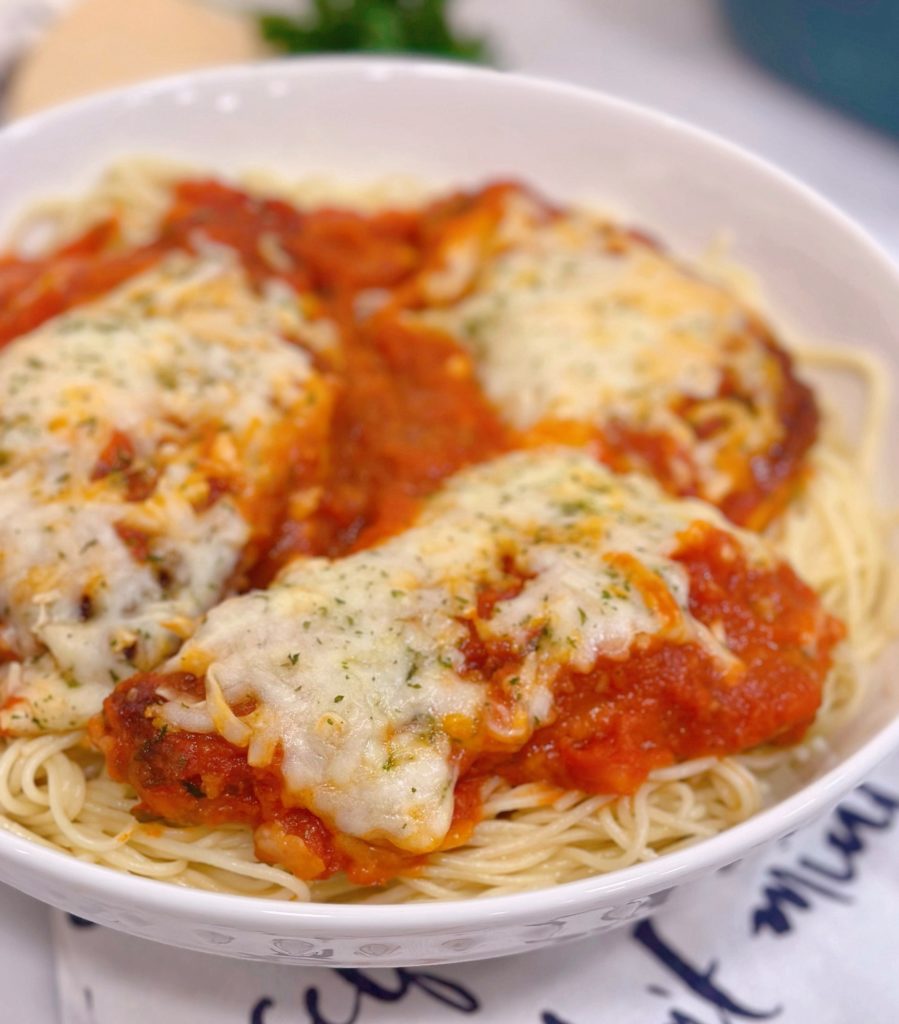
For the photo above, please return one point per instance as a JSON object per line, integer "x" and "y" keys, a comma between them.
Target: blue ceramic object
{"x": 844, "y": 51}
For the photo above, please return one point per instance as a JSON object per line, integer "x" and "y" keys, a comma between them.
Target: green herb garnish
{"x": 375, "y": 26}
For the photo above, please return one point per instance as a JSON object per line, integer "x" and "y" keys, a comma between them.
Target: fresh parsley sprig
{"x": 378, "y": 26}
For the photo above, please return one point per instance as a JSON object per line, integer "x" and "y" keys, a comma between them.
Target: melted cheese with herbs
{"x": 571, "y": 322}
{"x": 190, "y": 365}
{"x": 356, "y": 665}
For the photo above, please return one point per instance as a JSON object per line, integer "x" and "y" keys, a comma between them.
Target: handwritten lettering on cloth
{"x": 808, "y": 932}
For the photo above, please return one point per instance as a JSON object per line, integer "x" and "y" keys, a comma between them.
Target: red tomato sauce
{"x": 326, "y": 251}
{"x": 668, "y": 702}
{"x": 408, "y": 413}
{"x": 32, "y": 291}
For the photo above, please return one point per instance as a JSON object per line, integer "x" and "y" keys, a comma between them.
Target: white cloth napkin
{"x": 808, "y": 933}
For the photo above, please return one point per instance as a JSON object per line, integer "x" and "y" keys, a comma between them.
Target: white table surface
{"x": 676, "y": 57}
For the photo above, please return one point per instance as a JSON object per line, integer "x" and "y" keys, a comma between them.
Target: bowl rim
{"x": 362, "y": 920}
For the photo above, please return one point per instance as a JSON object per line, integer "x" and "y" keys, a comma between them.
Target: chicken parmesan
{"x": 377, "y": 552}
{"x": 543, "y": 619}
{"x": 586, "y": 333}
{"x": 145, "y": 443}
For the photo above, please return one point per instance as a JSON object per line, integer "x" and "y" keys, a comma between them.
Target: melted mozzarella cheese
{"x": 192, "y": 367}
{"x": 569, "y": 323}
{"x": 356, "y": 666}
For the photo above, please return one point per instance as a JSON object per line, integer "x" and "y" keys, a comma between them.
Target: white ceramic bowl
{"x": 368, "y": 118}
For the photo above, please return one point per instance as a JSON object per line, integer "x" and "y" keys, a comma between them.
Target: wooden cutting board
{"x": 99, "y": 44}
